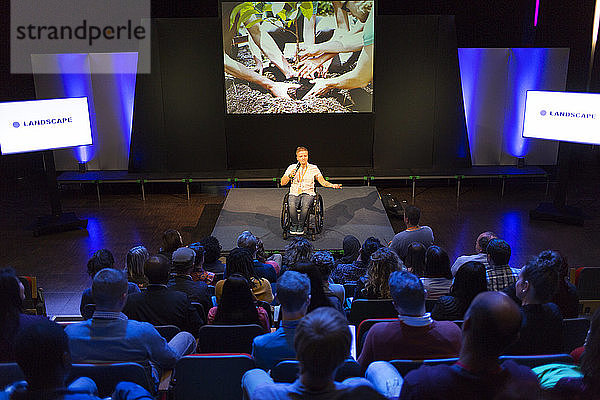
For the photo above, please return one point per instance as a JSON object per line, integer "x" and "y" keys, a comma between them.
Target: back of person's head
{"x": 499, "y": 251}
{"x": 298, "y": 250}
{"x": 383, "y": 262}
{"x": 437, "y": 263}
{"x": 408, "y": 293}
{"x": 324, "y": 262}
{"x": 239, "y": 261}
{"x": 482, "y": 241}
{"x": 134, "y": 263}
{"x": 11, "y": 302}
{"x": 183, "y": 260}
{"x": 492, "y": 323}
{"x": 171, "y": 240}
{"x": 101, "y": 259}
{"x": 247, "y": 241}
{"x": 470, "y": 280}
{"x": 351, "y": 247}
{"x": 322, "y": 342}
{"x": 108, "y": 288}
{"x": 261, "y": 255}
{"x": 542, "y": 277}
{"x": 415, "y": 258}
{"x": 317, "y": 294}
{"x": 412, "y": 214}
{"x": 236, "y": 305}
{"x": 369, "y": 247}
{"x": 212, "y": 249}
{"x": 293, "y": 289}
{"x": 157, "y": 269}
{"x": 555, "y": 260}
{"x": 590, "y": 360}
{"x": 42, "y": 352}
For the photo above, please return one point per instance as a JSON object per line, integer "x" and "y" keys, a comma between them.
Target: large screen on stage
{"x": 44, "y": 124}
{"x": 567, "y": 116}
{"x": 298, "y": 56}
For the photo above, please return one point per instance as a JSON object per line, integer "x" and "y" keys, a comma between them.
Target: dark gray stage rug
{"x": 354, "y": 211}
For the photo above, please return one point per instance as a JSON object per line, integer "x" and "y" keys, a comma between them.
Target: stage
{"x": 354, "y": 211}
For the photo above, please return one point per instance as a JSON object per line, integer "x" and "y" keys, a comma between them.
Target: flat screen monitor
{"x": 566, "y": 116}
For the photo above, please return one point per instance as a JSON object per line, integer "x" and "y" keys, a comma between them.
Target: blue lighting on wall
{"x": 470, "y": 67}
{"x": 124, "y": 85}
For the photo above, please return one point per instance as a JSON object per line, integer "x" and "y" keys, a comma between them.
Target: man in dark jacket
{"x": 183, "y": 264}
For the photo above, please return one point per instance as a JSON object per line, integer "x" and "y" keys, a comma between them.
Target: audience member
{"x": 239, "y": 261}
{"x": 468, "y": 283}
{"x": 351, "y": 249}
{"x": 199, "y": 274}
{"x": 318, "y": 296}
{"x": 566, "y": 297}
{"x": 498, "y": 274}
{"x": 480, "y": 252}
{"x": 134, "y": 265}
{"x": 322, "y": 343}
{"x": 238, "y": 306}
{"x": 542, "y": 326}
{"x": 160, "y": 306}
{"x": 437, "y": 277}
{"x": 109, "y": 336}
{"x": 375, "y": 285}
{"x": 413, "y": 232}
{"x": 275, "y": 260}
{"x": 491, "y": 325}
{"x": 212, "y": 253}
{"x": 352, "y": 272}
{"x": 415, "y": 259}
{"x": 414, "y": 335}
{"x": 325, "y": 263}
{"x": 293, "y": 294}
{"x": 42, "y": 352}
{"x": 100, "y": 259}
{"x": 249, "y": 242}
{"x": 171, "y": 241}
{"x": 298, "y": 250}
{"x": 12, "y": 319}
{"x": 183, "y": 265}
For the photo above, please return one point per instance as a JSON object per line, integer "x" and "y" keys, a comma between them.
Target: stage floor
{"x": 354, "y": 211}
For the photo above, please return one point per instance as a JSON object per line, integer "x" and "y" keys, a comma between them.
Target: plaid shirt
{"x": 499, "y": 277}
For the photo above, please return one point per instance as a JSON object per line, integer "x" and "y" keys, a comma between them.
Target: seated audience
{"x": 498, "y": 273}
{"x": 250, "y": 242}
{"x": 12, "y": 319}
{"x": 414, "y": 335}
{"x": 160, "y": 306}
{"x": 413, "y": 232}
{"x": 42, "y": 352}
{"x": 587, "y": 387}
{"x": 238, "y": 306}
{"x": 318, "y": 296}
{"x": 437, "y": 277}
{"x": 351, "y": 250}
{"x": 275, "y": 260}
{"x": 293, "y": 294}
{"x": 298, "y": 250}
{"x": 212, "y": 253}
{"x": 375, "y": 285}
{"x": 415, "y": 259}
{"x": 353, "y": 271}
{"x": 183, "y": 265}
{"x": 325, "y": 263}
{"x": 239, "y": 261}
{"x": 542, "y": 327}
{"x": 109, "y": 336}
{"x": 491, "y": 325}
{"x": 480, "y": 252}
{"x": 468, "y": 283}
{"x": 199, "y": 274}
{"x": 171, "y": 241}
{"x": 322, "y": 343}
{"x": 100, "y": 259}
{"x": 134, "y": 265}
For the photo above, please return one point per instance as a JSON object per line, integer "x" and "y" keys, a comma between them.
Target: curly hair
{"x": 383, "y": 262}
{"x": 212, "y": 249}
{"x": 298, "y": 250}
{"x": 542, "y": 277}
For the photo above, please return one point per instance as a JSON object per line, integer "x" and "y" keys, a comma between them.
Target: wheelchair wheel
{"x": 285, "y": 217}
{"x": 319, "y": 214}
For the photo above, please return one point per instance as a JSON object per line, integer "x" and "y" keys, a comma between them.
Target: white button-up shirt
{"x": 304, "y": 180}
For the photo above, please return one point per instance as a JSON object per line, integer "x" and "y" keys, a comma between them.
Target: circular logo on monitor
{"x": 16, "y": 124}
{"x": 543, "y": 112}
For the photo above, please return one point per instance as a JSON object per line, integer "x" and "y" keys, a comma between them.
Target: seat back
{"x": 537, "y": 360}
{"x": 574, "y": 333}
{"x": 34, "y": 296}
{"x": 350, "y": 288}
{"x": 588, "y": 284}
{"x": 362, "y": 309}
{"x": 227, "y": 338}
{"x": 588, "y": 307}
{"x": 108, "y": 375}
{"x": 167, "y": 331}
{"x": 405, "y": 366}
{"x": 363, "y": 329}
{"x": 9, "y": 374}
{"x": 429, "y": 304}
{"x": 287, "y": 371}
{"x": 88, "y": 310}
{"x": 200, "y": 310}
{"x": 210, "y": 376}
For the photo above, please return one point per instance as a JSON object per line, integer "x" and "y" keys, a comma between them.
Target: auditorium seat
{"x": 34, "y": 303}
{"x": 405, "y": 366}
{"x": 363, "y": 329}
{"x": 537, "y": 360}
{"x": 350, "y": 288}
{"x": 108, "y": 375}
{"x": 227, "y": 338}
{"x": 10, "y": 373}
{"x": 167, "y": 331}
{"x": 574, "y": 333}
{"x": 362, "y": 309}
{"x": 588, "y": 283}
{"x": 287, "y": 371}
{"x": 587, "y": 308}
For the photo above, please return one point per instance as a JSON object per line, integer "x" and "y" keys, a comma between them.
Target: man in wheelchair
{"x": 302, "y": 189}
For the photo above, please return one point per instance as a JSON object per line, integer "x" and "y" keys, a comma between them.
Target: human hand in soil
{"x": 309, "y": 50}
{"x": 307, "y": 68}
{"x": 321, "y": 87}
{"x": 280, "y": 89}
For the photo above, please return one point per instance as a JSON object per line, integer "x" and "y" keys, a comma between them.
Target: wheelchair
{"x": 314, "y": 220}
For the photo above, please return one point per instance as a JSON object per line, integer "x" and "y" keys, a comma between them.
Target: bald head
{"x": 492, "y": 322}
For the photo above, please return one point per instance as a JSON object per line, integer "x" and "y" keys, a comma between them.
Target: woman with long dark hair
{"x": 318, "y": 297}
{"x": 437, "y": 277}
{"x": 239, "y": 261}
{"x": 237, "y": 305}
{"x": 469, "y": 281}
{"x": 415, "y": 258}
{"x": 12, "y": 294}
{"x": 299, "y": 250}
